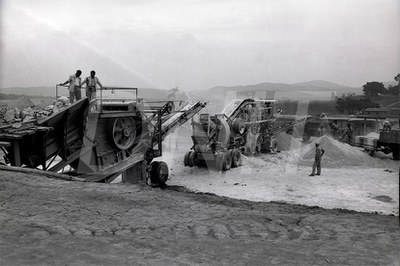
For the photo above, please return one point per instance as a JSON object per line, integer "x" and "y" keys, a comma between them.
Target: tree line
{"x": 351, "y": 104}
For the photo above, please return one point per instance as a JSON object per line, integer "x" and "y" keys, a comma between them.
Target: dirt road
{"x": 52, "y": 222}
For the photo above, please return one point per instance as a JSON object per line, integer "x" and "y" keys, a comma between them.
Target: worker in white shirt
{"x": 75, "y": 83}
{"x": 91, "y": 85}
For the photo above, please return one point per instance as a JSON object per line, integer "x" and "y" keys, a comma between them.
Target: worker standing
{"x": 386, "y": 126}
{"x": 75, "y": 83}
{"x": 91, "y": 85}
{"x": 334, "y": 129}
{"x": 349, "y": 133}
{"x": 317, "y": 162}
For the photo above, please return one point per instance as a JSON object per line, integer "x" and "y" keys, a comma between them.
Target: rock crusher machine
{"x": 118, "y": 133}
{"x": 245, "y": 126}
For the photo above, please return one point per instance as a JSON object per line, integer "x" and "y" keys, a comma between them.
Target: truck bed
{"x": 390, "y": 137}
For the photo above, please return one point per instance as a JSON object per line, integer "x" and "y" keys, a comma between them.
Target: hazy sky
{"x": 199, "y": 44}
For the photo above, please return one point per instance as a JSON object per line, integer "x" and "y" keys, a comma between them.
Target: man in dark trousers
{"x": 334, "y": 129}
{"x": 349, "y": 133}
{"x": 317, "y": 163}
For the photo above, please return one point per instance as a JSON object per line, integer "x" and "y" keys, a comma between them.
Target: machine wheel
{"x": 192, "y": 159}
{"x": 219, "y": 161}
{"x": 274, "y": 145}
{"x": 169, "y": 107}
{"x": 258, "y": 147}
{"x": 227, "y": 162}
{"x": 123, "y": 132}
{"x": 159, "y": 172}
{"x": 236, "y": 158}
{"x": 396, "y": 153}
{"x": 186, "y": 158}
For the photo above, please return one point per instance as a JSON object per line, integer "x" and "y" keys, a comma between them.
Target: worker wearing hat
{"x": 317, "y": 162}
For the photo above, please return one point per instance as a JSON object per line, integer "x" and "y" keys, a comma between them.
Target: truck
{"x": 388, "y": 142}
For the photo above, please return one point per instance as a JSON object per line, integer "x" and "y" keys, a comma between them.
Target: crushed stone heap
{"x": 287, "y": 142}
{"x": 338, "y": 154}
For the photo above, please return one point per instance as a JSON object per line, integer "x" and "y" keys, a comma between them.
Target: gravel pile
{"x": 338, "y": 154}
{"x": 287, "y": 142}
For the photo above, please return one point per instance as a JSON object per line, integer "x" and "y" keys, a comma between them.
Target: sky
{"x": 193, "y": 44}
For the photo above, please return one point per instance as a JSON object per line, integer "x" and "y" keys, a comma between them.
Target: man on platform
{"x": 75, "y": 83}
{"x": 91, "y": 85}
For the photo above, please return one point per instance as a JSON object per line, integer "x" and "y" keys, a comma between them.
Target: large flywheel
{"x": 123, "y": 132}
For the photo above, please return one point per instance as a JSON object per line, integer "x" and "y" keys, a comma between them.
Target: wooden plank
{"x": 114, "y": 169}
{"x": 15, "y": 156}
{"x": 5, "y": 143}
{"x": 41, "y": 173}
{"x": 118, "y": 114}
{"x": 10, "y": 136}
{"x": 64, "y": 163}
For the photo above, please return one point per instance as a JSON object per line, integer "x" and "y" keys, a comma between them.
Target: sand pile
{"x": 253, "y": 162}
{"x": 338, "y": 154}
{"x": 372, "y": 135}
{"x": 369, "y": 141}
{"x": 286, "y": 142}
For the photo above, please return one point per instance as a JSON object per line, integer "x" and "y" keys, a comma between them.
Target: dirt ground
{"x": 52, "y": 222}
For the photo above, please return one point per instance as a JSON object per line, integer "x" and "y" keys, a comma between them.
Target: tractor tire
{"x": 274, "y": 146}
{"x": 192, "y": 160}
{"x": 159, "y": 172}
{"x": 186, "y": 159}
{"x": 236, "y": 158}
{"x": 227, "y": 163}
{"x": 219, "y": 161}
{"x": 396, "y": 153}
{"x": 258, "y": 147}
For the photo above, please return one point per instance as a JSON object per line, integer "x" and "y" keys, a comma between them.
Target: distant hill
{"x": 317, "y": 90}
{"x": 321, "y": 84}
{"x": 30, "y": 91}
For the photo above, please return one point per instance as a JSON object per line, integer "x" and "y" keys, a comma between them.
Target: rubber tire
{"x": 159, "y": 172}
{"x": 192, "y": 160}
{"x": 236, "y": 158}
{"x": 186, "y": 159}
{"x": 274, "y": 145}
{"x": 227, "y": 163}
{"x": 396, "y": 153}
{"x": 219, "y": 161}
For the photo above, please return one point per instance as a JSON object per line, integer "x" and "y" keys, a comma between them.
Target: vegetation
{"x": 375, "y": 89}
{"x": 350, "y": 104}
{"x": 312, "y": 107}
